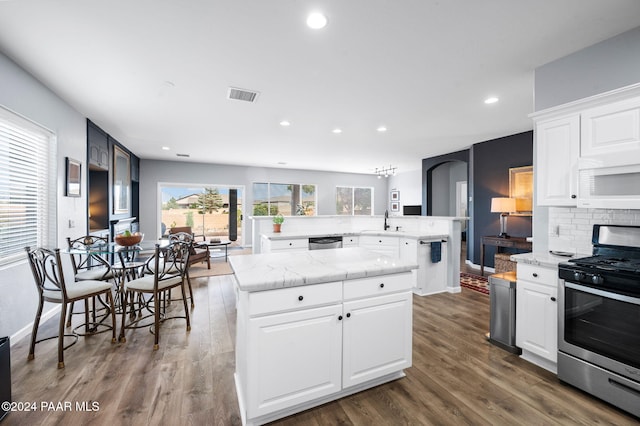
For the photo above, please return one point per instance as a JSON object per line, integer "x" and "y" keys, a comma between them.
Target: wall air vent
{"x": 242, "y": 94}
{"x": 183, "y": 155}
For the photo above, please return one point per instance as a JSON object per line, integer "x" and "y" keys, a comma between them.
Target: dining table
{"x": 126, "y": 263}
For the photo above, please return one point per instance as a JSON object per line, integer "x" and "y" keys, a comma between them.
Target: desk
{"x": 212, "y": 244}
{"x": 511, "y": 242}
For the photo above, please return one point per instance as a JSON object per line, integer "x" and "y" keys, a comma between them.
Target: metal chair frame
{"x": 48, "y": 274}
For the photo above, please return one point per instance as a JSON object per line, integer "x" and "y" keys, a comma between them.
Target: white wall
{"x": 409, "y": 184}
{"x": 23, "y": 94}
{"x": 154, "y": 171}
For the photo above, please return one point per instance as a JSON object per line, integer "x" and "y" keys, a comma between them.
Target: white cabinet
{"x": 377, "y": 337}
{"x": 611, "y": 133}
{"x": 295, "y": 358}
{"x": 294, "y": 244}
{"x": 301, "y": 346}
{"x": 350, "y": 241}
{"x": 557, "y": 146}
{"x": 409, "y": 251}
{"x": 388, "y": 246}
{"x": 537, "y": 314}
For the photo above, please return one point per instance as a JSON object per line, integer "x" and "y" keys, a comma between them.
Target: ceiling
{"x": 155, "y": 73}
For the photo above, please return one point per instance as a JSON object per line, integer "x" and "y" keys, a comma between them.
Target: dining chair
{"x": 163, "y": 271}
{"x": 197, "y": 253}
{"x": 88, "y": 266}
{"x": 200, "y": 249}
{"x": 48, "y": 276}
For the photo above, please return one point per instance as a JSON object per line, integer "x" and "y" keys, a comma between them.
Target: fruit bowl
{"x": 128, "y": 240}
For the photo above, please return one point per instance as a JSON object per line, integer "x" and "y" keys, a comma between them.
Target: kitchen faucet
{"x": 386, "y": 216}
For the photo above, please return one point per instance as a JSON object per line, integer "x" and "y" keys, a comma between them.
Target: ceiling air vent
{"x": 242, "y": 94}
{"x": 183, "y": 155}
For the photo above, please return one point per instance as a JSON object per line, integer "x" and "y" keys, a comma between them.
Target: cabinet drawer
{"x": 537, "y": 274}
{"x": 372, "y": 240}
{"x": 349, "y": 241}
{"x": 374, "y": 286}
{"x": 288, "y": 299}
{"x": 296, "y": 244}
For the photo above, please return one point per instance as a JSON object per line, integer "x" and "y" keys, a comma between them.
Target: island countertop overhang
{"x": 268, "y": 271}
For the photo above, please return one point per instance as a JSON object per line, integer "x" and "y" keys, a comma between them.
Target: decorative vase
{"x": 276, "y": 227}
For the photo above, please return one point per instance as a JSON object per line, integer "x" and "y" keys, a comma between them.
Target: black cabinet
{"x": 98, "y": 144}
{"x": 5, "y": 374}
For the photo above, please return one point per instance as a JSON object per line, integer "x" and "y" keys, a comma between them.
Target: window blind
{"x": 27, "y": 187}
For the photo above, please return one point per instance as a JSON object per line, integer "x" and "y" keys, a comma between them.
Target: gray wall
{"x": 605, "y": 66}
{"x": 443, "y": 187}
{"x": 153, "y": 172}
{"x": 23, "y": 94}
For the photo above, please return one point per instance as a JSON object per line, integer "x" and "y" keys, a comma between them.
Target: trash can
{"x": 502, "y": 326}
{"x": 5, "y": 374}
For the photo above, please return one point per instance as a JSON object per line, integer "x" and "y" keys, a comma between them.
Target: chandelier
{"x": 385, "y": 171}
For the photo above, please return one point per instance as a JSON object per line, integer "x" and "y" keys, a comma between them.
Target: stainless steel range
{"x": 599, "y": 318}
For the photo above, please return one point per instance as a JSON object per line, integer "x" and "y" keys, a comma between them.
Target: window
{"x": 27, "y": 187}
{"x": 354, "y": 201}
{"x": 288, "y": 199}
{"x": 205, "y": 209}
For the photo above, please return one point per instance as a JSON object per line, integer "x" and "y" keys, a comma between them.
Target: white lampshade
{"x": 503, "y": 205}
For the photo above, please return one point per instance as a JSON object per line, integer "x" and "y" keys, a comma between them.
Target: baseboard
{"x": 474, "y": 266}
{"x": 26, "y": 330}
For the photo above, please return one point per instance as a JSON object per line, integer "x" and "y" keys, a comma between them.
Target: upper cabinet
{"x": 98, "y": 145}
{"x": 558, "y": 144}
{"x": 611, "y": 133}
{"x": 588, "y": 152}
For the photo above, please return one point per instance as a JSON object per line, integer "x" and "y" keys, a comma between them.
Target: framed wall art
{"x": 395, "y": 195}
{"x": 395, "y": 206}
{"x": 73, "y": 178}
{"x": 521, "y": 188}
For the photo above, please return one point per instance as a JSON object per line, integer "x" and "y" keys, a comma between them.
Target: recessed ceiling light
{"x": 381, "y": 129}
{"x": 285, "y": 123}
{"x": 165, "y": 148}
{"x": 316, "y": 20}
{"x": 491, "y": 100}
{"x": 337, "y": 130}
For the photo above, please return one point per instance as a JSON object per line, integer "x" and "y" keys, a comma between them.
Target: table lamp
{"x": 504, "y": 206}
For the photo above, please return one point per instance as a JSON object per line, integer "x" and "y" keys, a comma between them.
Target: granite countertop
{"x": 545, "y": 259}
{"x": 268, "y": 271}
{"x": 379, "y": 233}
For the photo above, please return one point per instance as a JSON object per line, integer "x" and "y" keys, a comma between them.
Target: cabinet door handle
{"x": 339, "y": 317}
{"x": 381, "y": 285}
{"x": 349, "y": 315}
{"x": 573, "y": 196}
{"x": 300, "y": 298}
{"x": 553, "y": 299}
{"x": 535, "y": 275}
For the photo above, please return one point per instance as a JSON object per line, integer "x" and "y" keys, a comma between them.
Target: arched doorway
{"x": 448, "y": 195}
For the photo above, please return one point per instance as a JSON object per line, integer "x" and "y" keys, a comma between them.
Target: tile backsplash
{"x": 570, "y": 228}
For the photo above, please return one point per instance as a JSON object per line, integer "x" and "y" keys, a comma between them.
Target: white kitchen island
{"x": 316, "y": 326}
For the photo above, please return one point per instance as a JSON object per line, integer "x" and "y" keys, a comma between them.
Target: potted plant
{"x": 277, "y": 222}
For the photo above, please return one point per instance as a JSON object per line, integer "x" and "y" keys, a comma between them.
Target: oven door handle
{"x": 603, "y": 293}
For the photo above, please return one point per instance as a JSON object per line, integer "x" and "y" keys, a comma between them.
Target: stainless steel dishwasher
{"x": 328, "y": 242}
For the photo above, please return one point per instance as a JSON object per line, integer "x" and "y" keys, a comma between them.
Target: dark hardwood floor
{"x": 457, "y": 377}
